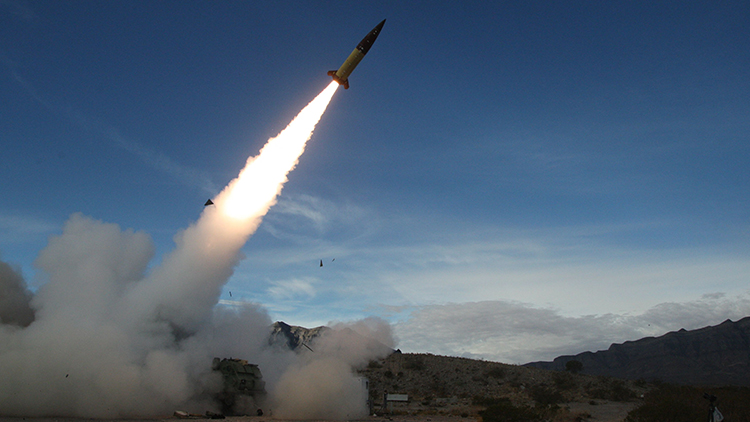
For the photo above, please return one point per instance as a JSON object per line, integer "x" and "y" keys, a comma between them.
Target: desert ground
{"x": 601, "y": 411}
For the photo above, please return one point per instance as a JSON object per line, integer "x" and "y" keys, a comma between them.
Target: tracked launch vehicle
{"x": 243, "y": 391}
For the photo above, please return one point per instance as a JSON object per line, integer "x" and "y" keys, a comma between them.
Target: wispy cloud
{"x": 517, "y": 296}
{"x": 293, "y": 288}
{"x": 515, "y": 332}
{"x": 17, "y": 228}
{"x": 304, "y": 218}
{"x": 158, "y": 161}
{"x": 181, "y": 173}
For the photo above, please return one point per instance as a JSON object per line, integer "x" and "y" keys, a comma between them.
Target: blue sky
{"x": 505, "y": 180}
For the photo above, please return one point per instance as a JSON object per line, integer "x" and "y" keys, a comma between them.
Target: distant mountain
{"x": 300, "y": 339}
{"x": 717, "y": 355}
{"x": 292, "y": 336}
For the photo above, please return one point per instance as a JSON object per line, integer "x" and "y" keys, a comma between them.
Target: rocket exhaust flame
{"x": 106, "y": 337}
{"x": 209, "y": 249}
{"x": 257, "y": 186}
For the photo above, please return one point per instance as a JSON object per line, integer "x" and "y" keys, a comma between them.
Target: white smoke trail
{"x": 185, "y": 288}
{"x": 107, "y": 340}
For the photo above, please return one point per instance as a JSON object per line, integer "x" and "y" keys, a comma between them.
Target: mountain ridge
{"x": 712, "y": 355}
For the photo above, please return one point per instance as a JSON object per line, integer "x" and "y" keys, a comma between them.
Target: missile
{"x": 342, "y": 75}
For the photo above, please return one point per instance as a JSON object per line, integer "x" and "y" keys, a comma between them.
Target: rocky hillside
{"x": 292, "y": 336}
{"x": 717, "y": 355}
{"x": 431, "y": 380}
{"x": 442, "y": 386}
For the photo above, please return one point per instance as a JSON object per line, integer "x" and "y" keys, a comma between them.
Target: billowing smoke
{"x": 104, "y": 337}
{"x": 15, "y": 298}
{"x": 320, "y": 385}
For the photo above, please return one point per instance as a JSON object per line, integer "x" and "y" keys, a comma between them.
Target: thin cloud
{"x": 515, "y": 332}
{"x": 17, "y": 228}
{"x": 577, "y": 270}
{"x": 292, "y": 288}
{"x": 311, "y": 209}
{"x": 183, "y": 174}
{"x": 158, "y": 161}
{"x": 298, "y": 214}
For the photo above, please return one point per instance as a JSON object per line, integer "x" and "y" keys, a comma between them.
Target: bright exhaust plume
{"x": 105, "y": 336}
{"x": 256, "y": 188}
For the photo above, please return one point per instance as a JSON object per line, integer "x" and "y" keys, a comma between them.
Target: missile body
{"x": 342, "y": 75}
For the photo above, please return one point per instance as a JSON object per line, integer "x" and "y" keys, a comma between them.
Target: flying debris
{"x": 209, "y": 202}
{"x": 342, "y": 75}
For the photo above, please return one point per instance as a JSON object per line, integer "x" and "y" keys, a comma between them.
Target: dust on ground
{"x": 594, "y": 411}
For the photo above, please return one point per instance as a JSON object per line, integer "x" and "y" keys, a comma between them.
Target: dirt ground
{"x": 601, "y": 411}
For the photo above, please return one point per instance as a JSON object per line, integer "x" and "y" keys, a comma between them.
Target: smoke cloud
{"x": 321, "y": 384}
{"x": 15, "y": 298}
{"x": 106, "y": 337}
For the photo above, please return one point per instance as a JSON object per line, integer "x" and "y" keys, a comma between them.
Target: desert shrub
{"x": 505, "y": 411}
{"x": 495, "y": 372}
{"x": 611, "y": 389}
{"x": 414, "y": 363}
{"x": 597, "y": 392}
{"x": 564, "y": 380}
{"x": 619, "y": 391}
{"x": 439, "y": 390}
{"x": 574, "y": 366}
{"x": 373, "y": 364}
{"x": 672, "y": 403}
{"x": 641, "y": 383}
{"x": 479, "y": 379}
{"x": 669, "y": 403}
{"x": 734, "y": 403}
{"x": 545, "y": 396}
{"x": 583, "y": 415}
{"x": 489, "y": 401}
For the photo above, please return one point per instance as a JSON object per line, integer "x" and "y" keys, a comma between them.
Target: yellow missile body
{"x": 342, "y": 75}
